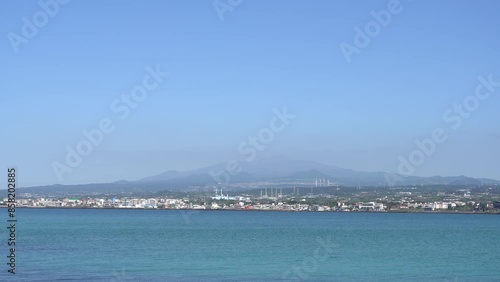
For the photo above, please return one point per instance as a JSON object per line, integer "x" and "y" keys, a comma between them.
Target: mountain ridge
{"x": 272, "y": 170}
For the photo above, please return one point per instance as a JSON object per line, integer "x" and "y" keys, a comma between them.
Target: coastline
{"x": 262, "y": 210}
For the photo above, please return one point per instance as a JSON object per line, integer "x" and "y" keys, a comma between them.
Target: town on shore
{"x": 328, "y": 199}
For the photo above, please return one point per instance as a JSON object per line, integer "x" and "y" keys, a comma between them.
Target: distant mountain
{"x": 277, "y": 169}
{"x": 280, "y": 168}
{"x": 258, "y": 170}
{"x": 309, "y": 174}
{"x": 167, "y": 175}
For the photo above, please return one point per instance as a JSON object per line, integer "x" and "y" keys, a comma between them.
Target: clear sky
{"x": 226, "y": 77}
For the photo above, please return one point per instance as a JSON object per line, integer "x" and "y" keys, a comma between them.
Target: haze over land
{"x": 268, "y": 172}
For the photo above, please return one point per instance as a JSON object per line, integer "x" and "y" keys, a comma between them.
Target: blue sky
{"x": 226, "y": 77}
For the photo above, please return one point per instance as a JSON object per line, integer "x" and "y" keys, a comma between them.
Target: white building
{"x": 371, "y": 206}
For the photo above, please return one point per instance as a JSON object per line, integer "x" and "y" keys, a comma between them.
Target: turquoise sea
{"x": 163, "y": 245}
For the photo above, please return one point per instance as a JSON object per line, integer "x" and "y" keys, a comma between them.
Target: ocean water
{"x": 163, "y": 245}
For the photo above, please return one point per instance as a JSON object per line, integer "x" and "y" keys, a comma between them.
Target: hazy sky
{"x": 226, "y": 75}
